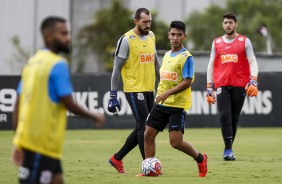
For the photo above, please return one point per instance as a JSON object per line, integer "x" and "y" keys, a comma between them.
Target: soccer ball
{"x": 151, "y": 167}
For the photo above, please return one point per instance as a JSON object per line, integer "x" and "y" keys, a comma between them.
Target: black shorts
{"x": 38, "y": 168}
{"x": 160, "y": 116}
{"x": 141, "y": 103}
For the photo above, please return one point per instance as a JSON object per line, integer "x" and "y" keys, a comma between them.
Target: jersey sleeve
{"x": 19, "y": 88}
{"x": 249, "y": 48}
{"x": 122, "y": 48}
{"x": 61, "y": 81}
{"x": 188, "y": 68}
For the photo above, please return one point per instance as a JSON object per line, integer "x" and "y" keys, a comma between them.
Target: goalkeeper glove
{"x": 252, "y": 87}
{"x": 210, "y": 95}
{"x": 113, "y": 105}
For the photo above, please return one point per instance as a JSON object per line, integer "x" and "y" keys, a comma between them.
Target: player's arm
{"x": 210, "y": 97}
{"x": 187, "y": 75}
{"x": 116, "y": 75}
{"x": 184, "y": 84}
{"x": 157, "y": 68}
{"x": 251, "y": 87}
{"x": 17, "y": 155}
{"x": 73, "y": 107}
{"x": 251, "y": 58}
{"x": 211, "y": 66}
{"x": 15, "y": 113}
{"x": 121, "y": 55}
{"x": 60, "y": 78}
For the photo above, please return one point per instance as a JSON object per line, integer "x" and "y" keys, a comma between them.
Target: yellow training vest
{"x": 171, "y": 76}
{"x": 41, "y": 122}
{"x": 138, "y": 72}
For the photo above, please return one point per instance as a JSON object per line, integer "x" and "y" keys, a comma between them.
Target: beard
{"x": 231, "y": 32}
{"x": 62, "y": 47}
{"x": 143, "y": 31}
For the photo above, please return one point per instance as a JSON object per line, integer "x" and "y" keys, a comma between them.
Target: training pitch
{"x": 86, "y": 152}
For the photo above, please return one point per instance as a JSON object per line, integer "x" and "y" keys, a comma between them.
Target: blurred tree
{"x": 101, "y": 36}
{"x": 21, "y": 55}
{"x": 206, "y": 25}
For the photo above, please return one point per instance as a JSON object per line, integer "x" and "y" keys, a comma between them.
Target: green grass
{"x": 86, "y": 152}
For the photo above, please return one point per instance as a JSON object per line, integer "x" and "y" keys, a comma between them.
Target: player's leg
{"x": 116, "y": 159}
{"x": 25, "y": 170}
{"x": 50, "y": 171}
{"x": 38, "y": 168}
{"x": 155, "y": 123}
{"x": 58, "y": 179}
{"x": 224, "y": 104}
{"x": 149, "y": 141}
{"x": 139, "y": 106}
{"x": 177, "y": 118}
{"x": 238, "y": 98}
{"x": 176, "y": 131}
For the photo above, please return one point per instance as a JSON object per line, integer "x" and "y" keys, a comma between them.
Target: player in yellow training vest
{"x": 44, "y": 95}
{"x": 136, "y": 62}
{"x": 174, "y": 98}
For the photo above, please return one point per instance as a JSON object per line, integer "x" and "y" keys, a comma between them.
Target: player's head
{"x": 56, "y": 34}
{"x": 177, "y": 34}
{"x": 229, "y": 23}
{"x": 142, "y": 21}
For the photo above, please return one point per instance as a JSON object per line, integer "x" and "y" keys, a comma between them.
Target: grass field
{"x": 86, "y": 152}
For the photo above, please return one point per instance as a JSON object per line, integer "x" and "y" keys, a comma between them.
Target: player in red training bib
{"x": 232, "y": 71}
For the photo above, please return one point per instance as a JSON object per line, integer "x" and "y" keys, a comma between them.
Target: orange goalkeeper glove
{"x": 210, "y": 94}
{"x": 252, "y": 87}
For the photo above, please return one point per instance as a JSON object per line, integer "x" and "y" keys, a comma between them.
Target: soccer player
{"x": 232, "y": 71}
{"x": 137, "y": 63}
{"x": 39, "y": 117}
{"x": 174, "y": 98}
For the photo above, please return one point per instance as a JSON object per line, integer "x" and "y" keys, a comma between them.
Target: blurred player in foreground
{"x": 174, "y": 98}
{"x": 39, "y": 117}
{"x": 136, "y": 61}
{"x": 232, "y": 71}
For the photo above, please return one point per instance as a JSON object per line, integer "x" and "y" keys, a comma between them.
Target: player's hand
{"x": 252, "y": 87}
{"x": 210, "y": 97}
{"x": 162, "y": 97}
{"x": 99, "y": 119}
{"x": 113, "y": 105}
{"x": 17, "y": 156}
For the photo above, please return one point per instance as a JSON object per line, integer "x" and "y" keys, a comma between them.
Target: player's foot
{"x": 228, "y": 155}
{"x": 140, "y": 174}
{"x": 118, "y": 164}
{"x": 203, "y": 166}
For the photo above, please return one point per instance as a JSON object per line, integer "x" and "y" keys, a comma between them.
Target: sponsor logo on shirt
{"x": 147, "y": 58}
{"x": 171, "y": 76}
{"x": 218, "y": 40}
{"x": 229, "y": 58}
{"x": 241, "y": 38}
{"x": 131, "y": 37}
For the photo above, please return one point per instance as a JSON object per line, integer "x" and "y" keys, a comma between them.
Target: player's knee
{"x": 225, "y": 118}
{"x": 176, "y": 144}
{"x": 149, "y": 135}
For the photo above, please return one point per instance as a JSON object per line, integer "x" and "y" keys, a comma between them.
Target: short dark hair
{"x": 178, "y": 25}
{"x": 230, "y": 15}
{"x": 139, "y": 11}
{"x": 49, "y": 22}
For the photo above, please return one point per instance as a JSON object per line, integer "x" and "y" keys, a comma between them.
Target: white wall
{"x": 23, "y": 18}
